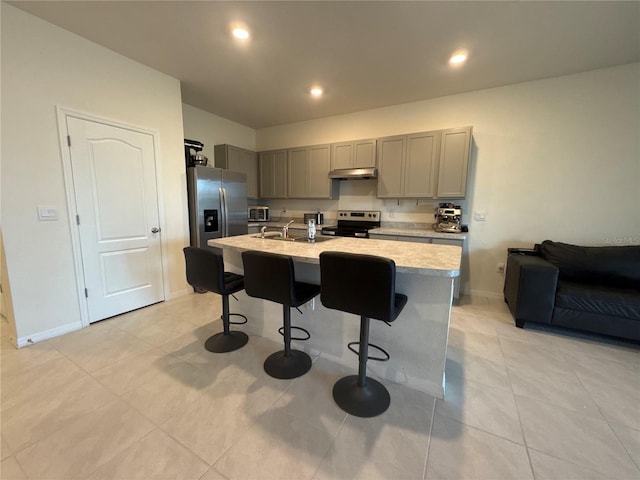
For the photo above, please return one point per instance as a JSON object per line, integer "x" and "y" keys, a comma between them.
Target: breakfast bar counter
{"x": 416, "y": 341}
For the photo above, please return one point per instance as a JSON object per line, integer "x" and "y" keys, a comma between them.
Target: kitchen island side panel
{"x": 416, "y": 341}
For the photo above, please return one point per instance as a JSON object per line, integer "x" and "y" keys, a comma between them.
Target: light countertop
{"x": 417, "y": 258}
{"x": 294, "y": 225}
{"x": 417, "y": 232}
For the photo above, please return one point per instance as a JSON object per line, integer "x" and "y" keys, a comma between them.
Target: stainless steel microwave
{"x": 259, "y": 214}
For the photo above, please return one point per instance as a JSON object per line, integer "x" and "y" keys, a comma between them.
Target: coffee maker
{"x": 448, "y": 218}
{"x": 192, "y": 153}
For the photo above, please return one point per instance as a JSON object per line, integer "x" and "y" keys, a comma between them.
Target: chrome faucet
{"x": 262, "y": 230}
{"x": 285, "y": 229}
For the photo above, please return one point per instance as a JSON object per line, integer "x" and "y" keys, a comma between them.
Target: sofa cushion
{"x": 599, "y": 299}
{"x": 613, "y": 266}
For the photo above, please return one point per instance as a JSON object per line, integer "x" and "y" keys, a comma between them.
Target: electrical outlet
{"x": 392, "y": 214}
{"x": 500, "y": 268}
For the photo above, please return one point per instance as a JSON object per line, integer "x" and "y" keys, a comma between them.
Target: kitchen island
{"x": 416, "y": 341}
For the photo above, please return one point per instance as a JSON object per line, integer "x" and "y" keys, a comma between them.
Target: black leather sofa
{"x": 596, "y": 289}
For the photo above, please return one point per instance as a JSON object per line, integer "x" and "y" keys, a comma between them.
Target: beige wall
{"x": 213, "y": 130}
{"x": 43, "y": 67}
{"x": 552, "y": 159}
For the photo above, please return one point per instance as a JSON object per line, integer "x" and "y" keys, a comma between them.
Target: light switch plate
{"x": 480, "y": 216}
{"x": 47, "y": 213}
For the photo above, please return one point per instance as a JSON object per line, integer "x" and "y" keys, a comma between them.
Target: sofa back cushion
{"x": 614, "y": 266}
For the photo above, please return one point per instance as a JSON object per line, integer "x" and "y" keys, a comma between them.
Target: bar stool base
{"x": 294, "y": 365}
{"x": 369, "y": 401}
{"x": 221, "y": 343}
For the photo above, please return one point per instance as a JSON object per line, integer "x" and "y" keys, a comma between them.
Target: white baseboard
{"x": 485, "y": 294}
{"x": 180, "y": 293}
{"x": 47, "y": 334}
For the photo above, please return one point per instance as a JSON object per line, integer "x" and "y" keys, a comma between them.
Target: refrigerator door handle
{"x": 224, "y": 211}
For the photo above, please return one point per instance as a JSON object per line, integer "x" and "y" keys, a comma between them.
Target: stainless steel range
{"x": 354, "y": 223}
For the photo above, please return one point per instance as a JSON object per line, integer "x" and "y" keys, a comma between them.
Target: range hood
{"x": 354, "y": 173}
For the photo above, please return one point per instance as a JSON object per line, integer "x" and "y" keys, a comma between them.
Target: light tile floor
{"x": 138, "y": 397}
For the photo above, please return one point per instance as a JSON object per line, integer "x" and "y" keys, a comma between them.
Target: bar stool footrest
{"x": 302, "y": 339}
{"x": 237, "y": 315}
{"x": 377, "y": 359}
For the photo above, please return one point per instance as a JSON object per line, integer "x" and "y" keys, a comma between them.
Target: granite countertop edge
{"x": 421, "y": 258}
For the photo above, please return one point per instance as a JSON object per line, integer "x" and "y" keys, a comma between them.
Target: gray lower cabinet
{"x": 273, "y": 174}
{"x": 239, "y": 160}
{"x": 424, "y": 165}
{"x": 308, "y": 172}
{"x": 433, "y": 240}
{"x": 353, "y": 154}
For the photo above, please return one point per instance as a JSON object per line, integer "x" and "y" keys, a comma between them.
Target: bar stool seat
{"x": 363, "y": 285}
{"x": 205, "y": 270}
{"x": 272, "y": 277}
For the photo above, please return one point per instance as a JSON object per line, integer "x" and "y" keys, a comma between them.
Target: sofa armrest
{"x": 530, "y": 288}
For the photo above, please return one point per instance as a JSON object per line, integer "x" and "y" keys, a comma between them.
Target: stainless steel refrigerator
{"x": 217, "y": 204}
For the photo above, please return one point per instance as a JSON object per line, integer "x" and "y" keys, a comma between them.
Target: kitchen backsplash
{"x": 361, "y": 195}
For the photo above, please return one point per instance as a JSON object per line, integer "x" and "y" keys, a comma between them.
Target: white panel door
{"x": 114, "y": 180}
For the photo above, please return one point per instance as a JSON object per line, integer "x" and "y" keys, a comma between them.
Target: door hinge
{"x": 78, "y": 219}
{"x": 86, "y": 293}
{"x": 69, "y": 140}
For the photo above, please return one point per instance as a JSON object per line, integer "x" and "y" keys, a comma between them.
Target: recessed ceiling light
{"x": 458, "y": 58}
{"x": 241, "y": 33}
{"x": 316, "y": 91}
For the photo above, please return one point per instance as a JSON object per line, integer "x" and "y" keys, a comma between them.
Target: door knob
{"x": 155, "y": 230}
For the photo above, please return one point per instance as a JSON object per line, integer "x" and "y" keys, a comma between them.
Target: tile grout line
{"x": 426, "y": 457}
{"x": 326, "y": 454}
{"x": 513, "y": 396}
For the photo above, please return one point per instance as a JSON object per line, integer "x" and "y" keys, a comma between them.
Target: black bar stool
{"x": 205, "y": 269}
{"x": 363, "y": 285}
{"x": 272, "y": 277}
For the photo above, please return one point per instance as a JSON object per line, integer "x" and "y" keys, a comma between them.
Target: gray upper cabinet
{"x": 308, "y": 169}
{"x": 239, "y": 160}
{"x": 391, "y": 151}
{"x": 353, "y": 154}
{"x": 454, "y": 162}
{"x": 298, "y": 165}
{"x": 273, "y": 174}
{"x": 421, "y": 163}
{"x": 424, "y": 165}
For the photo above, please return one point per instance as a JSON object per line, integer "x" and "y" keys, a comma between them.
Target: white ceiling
{"x": 365, "y": 54}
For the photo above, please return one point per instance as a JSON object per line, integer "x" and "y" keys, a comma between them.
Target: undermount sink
{"x": 279, "y": 237}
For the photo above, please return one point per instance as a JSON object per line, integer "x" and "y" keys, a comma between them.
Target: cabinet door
{"x": 318, "y": 182}
{"x": 454, "y": 162}
{"x": 298, "y": 163}
{"x": 266, "y": 161}
{"x": 381, "y": 236}
{"x": 280, "y": 174}
{"x": 449, "y": 241}
{"x": 244, "y": 161}
{"x": 421, "y": 163}
{"x": 250, "y": 164}
{"x": 364, "y": 153}
{"x": 341, "y": 155}
{"x": 273, "y": 174}
{"x": 390, "y": 164}
{"x": 411, "y": 238}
